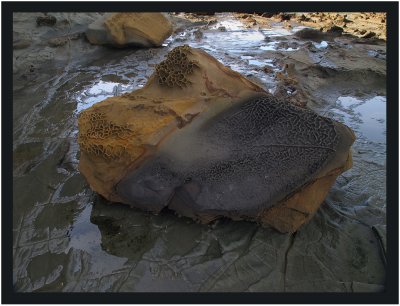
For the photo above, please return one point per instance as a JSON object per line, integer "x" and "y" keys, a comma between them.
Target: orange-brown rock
{"x": 120, "y": 132}
{"x": 289, "y": 214}
{"x": 206, "y": 142}
{"x": 122, "y": 29}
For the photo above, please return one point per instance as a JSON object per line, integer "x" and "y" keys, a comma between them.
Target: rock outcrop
{"x": 206, "y": 142}
{"x": 130, "y": 29}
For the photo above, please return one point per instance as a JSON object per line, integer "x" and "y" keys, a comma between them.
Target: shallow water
{"x": 88, "y": 244}
{"x": 366, "y": 117}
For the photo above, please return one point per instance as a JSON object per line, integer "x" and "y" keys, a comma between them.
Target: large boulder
{"x": 206, "y": 142}
{"x": 130, "y": 29}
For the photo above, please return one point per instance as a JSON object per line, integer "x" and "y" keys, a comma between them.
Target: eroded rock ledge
{"x": 206, "y": 142}
{"x": 130, "y": 29}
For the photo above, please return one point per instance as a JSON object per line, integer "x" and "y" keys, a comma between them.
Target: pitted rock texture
{"x": 173, "y": 71}
{"x": 113, "y": 136}
{"x": 241, "y": 162}
{"x": 122, "y": 29}
{"x": 219, "y": 146}
{"x": 119, "y": 133}
{"x": 96, "y": 131}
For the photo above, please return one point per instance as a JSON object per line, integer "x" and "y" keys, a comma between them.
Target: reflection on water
{"x": 229, "y": 24}
{"x": 266, "y": 62}
{"x": 367, "y": 117}
{"x": 99, "y": 91}
{"x": 87, "y": 237}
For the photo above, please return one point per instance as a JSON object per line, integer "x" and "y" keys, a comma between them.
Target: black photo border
{"x": 391, "y": 293}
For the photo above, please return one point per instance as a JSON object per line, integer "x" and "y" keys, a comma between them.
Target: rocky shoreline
{"x": 68, "y": 238}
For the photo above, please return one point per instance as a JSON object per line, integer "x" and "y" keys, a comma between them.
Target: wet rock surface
{"x": 92, "y": 245}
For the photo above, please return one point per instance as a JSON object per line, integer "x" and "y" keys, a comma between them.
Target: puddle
{"x": 230, "y": 24}
{"x": 101, "y": 90}
{"x": 87, "y": 237}
{"x": 275, "y": 46}
{"x": 270, "y": 46}
{"x": 277, "y": 31}
{"x": 377, "y": 54}
{"x": 366, "y": 117}
{"x": 102, "y": 87}
{"x": 267, "y": 62}
{"x": 248, "y": 45}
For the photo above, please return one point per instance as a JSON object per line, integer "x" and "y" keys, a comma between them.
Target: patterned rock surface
{"x": 206, "y": 142}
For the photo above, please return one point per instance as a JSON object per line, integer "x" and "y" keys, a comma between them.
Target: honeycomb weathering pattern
{"x": 175, "y": 69}
{"x": 240, "y": 162}
{"x": 95, "y": 130}
{"x": 204, "y": 141}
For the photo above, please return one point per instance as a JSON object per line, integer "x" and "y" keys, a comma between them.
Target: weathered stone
{"x": 124, "y": 130}
{"x": 137, "y": 29}
{"x": 21, "y": 43}
{"x": 335, "y": 30}
{"x": 308, "y": 33}
{"x": 206, "y": 142}
{"x": 303, "y": 18}
{"x": 285, "y": 16}
{"x": 268, "y": 14}
{"x": 97, "y": 33}
{"x": 369, "y": 34}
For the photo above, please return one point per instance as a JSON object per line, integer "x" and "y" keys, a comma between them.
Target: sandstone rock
{"x": 97, "y": 33}
{"x": 268, "y": 14}
{"x": 285, "y": 16}
{"x": 303, "y": 18}
{"x": 126, "y": 129}
{"x": 137, "y": 29}
{"x": 369, "y": 34}
{"x": 206, "y": 142}
{"x": 244, "y": 16}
